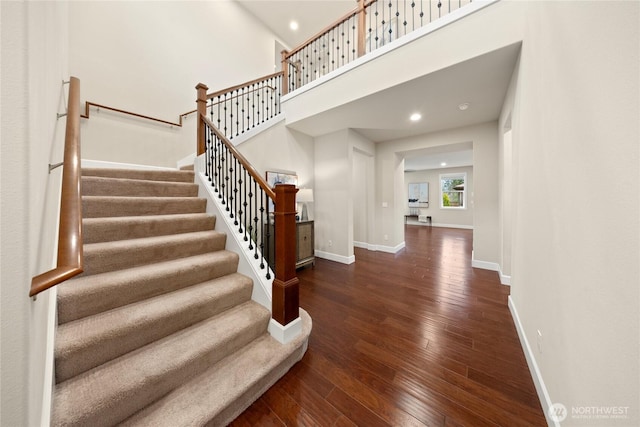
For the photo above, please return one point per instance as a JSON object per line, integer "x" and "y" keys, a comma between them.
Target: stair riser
{"x": 100, "y": 207}
{"x": 95, "y": 186}
{"x": 116, "y": 289}
{"x": 161, "y": 175}
{"x": 124, "y": 395}
{"x": 77, "y": 350}
{"x": 97, "y": 230}
{"x": 101, "y": 259}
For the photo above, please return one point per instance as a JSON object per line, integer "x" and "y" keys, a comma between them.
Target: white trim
{"x": 538, "y": 381}
{"x": 364, "y": 245}
{"x": 87, "y": 163}
{"x": 492, "y": 266}
{"x": 52, "y": 325}
{"x": 186, "y": 161}
{"x": 337, "y": 258}
{"x": 457, "y": 14}
{"x": 391, "y": 249}
{"x": 504, "y": 279}
{"x": 441, "y": 225}
{"x": 285, "y": 334}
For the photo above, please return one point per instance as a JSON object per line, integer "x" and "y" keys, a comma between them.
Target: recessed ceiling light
{"x": 464, "y": 106}
{"x": 415, "y": 117}
{"x": 443, "y": 164}
{"x": 293, "y": 25}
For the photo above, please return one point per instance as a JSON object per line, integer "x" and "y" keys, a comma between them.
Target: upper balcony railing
{"x": 371, "y": 25}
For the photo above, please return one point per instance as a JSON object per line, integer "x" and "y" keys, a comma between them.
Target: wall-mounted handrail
{"x": 89, "y": 104}
{"x": 70, "y": 255}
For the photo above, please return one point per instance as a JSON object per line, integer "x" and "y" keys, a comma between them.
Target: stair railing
{"x": 70, "y": 256}
{"x": 238, "y": 109}
{"x": 253, "y": 205}
{"x": 371, "y": 25}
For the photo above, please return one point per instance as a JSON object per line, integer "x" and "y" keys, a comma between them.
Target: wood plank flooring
{"x": 412, "y": 339}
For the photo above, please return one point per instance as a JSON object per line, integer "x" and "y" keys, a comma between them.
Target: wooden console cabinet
{"x": 305, "y": 252}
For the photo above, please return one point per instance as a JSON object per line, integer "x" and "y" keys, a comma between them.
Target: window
{"x": 452, "y": 191}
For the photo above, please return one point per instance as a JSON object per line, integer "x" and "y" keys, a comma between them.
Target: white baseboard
{"x": 541, "y": 389}
{"x": 439, "y": 224}
{"x": 87, "y": 163}
{"x": 380, "y": 248}
{"x": 186, "y": 161}
{"x": 390, "y": 249}
{"x": 491, "y": 266}
{"x": 285, "y": 334}
{"x": 504, "y": 279}
{"x": 337, "y": 258}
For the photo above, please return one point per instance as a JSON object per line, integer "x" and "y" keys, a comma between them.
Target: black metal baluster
{"x": 255, "y": 218}
{"x": 250, "y": 213}
{"x": 234, "y": 192}
{"x": 261, "y": 102}
{"x": 376, "y": 22}
{"x": 353, "y": 38}
{"x": 404, "y": 12}
{"x": 439, "y": 9}
{"x": 238, "y": 113}
{"x": 219, "y": 159}
{"x": 263, "y": 199}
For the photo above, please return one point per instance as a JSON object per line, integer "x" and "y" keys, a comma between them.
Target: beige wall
{"x": 34, "y": 64}
{"x": 147, "y": 57}
{"x": 390, "y": 185}
{"x": 575, "y": 266}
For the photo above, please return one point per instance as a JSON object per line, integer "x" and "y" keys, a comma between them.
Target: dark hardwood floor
{"x": 411, "y": 339}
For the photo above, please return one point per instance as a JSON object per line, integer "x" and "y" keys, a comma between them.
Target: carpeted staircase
{"x": 160, "y": 329}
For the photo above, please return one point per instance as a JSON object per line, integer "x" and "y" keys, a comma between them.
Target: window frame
{"x": 453, "y": 175}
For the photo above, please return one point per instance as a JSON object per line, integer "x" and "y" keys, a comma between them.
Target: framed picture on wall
{"x": 274, "y": 178}
{"x": 419, "y": 195}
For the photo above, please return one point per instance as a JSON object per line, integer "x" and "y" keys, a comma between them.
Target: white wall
{"x": 147, "y": 57}
{"x": 34, "y": 64}
{"x": 462, "y": 218}
{"x": 281, "y": 149}
{"x": 333, "y": 197}
{"x": 575, "y": 266}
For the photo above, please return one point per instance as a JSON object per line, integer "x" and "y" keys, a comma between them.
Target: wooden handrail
{"x": 326, "y": 29}
{"x": 240, "y": 86}
{"x": 70, "y": 256}
{"x": 362, "y": 5}
{"x": 88, "y": 104}
{"x": 243, "y": 161}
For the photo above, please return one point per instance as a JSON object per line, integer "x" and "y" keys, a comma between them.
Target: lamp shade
{"x": 304, "y": 195}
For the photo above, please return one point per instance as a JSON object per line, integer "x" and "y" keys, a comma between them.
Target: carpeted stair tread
{"x": 105, "y": 186}
{"x": 89, "y": 342}
{"x": 88, "y": 295}
{"x": 225, "y": 390}
{"x": 116, "y": 390}
{"x": 171, "y": 175}
{"x": 110, "y": 206}
{"x": 132, "y": 227}
{"x": 121, "y": 254}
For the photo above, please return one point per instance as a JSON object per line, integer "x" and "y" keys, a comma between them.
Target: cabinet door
{"x": 305, "y": 240}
